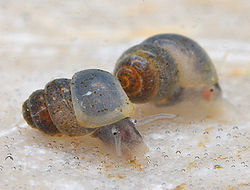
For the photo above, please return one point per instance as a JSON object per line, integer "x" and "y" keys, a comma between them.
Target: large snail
{"x": 92, "y": 102}
{"x": 164, "y": 67}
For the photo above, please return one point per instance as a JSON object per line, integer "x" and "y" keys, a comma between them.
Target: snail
{"x": 93, "y": 102}
{"x": 166, "y": 67}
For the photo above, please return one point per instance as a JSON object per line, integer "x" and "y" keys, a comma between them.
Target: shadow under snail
{"x": 93, "y": 102}
{"x": 165, "y": 67}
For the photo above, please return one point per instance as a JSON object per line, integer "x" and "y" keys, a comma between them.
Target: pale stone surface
{"x": 43, "y": 40}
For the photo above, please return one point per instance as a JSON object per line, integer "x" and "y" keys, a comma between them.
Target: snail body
{"x": 163, "y": 66}
{"x": 92, "y": 100}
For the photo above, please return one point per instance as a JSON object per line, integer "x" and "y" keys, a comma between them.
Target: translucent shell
{"x": 194, "y": 65}
{"x": 98, "y": 98}
{"x": 163, "y": 67}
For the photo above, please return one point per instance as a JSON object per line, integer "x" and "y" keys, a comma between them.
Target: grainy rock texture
{"x": 205, "y": 147}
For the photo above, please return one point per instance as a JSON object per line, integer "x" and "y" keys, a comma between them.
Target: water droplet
{"x": 178, "y": 152}
{"x": 165, "y": 156}
{"x": 167, "y": 132}
{"x": 76, "y": 157}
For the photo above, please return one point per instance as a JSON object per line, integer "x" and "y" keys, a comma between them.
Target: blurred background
{"x": 43, "y": 40}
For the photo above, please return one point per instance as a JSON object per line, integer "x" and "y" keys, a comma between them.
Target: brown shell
{"x": 26, "y": 114}
{"x": 59, "y": 103}
{"x": 36, "y": 113}
{"x": 51, "y": 110}
{"x": 147, "y": 73}
{"x": 101, "y": 100}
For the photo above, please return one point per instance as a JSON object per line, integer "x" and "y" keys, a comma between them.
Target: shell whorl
{"x": 51, "y": 110}
{"x": 138, "y": 78}
{"x": 36, "y": 114}
{"x": 130, "y": 80}
{"x": 147, "y": 73}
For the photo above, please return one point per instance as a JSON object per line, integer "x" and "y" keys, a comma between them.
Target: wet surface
{"x": 205, "y": 147}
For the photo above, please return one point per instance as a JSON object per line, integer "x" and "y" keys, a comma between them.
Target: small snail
{"x": 93, "y": 102}
{"x": 164, "y": 67}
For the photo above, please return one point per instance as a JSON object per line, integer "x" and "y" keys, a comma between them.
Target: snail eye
{"x": 134, "y": 121}
{"x": 115, "y": 131}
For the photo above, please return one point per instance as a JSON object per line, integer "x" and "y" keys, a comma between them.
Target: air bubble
{"x": 165, "y": 156}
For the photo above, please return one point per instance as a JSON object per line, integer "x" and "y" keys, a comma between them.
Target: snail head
{"x": 123, "y": 135}
{"x": 211, "y": 92}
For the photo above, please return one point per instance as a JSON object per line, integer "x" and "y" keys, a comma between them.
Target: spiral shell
{"x": 162, "y": 66}
{"x": 36, "y": 114}
{"x": 92, "y": 99}
{"x": 147, "y": 73}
